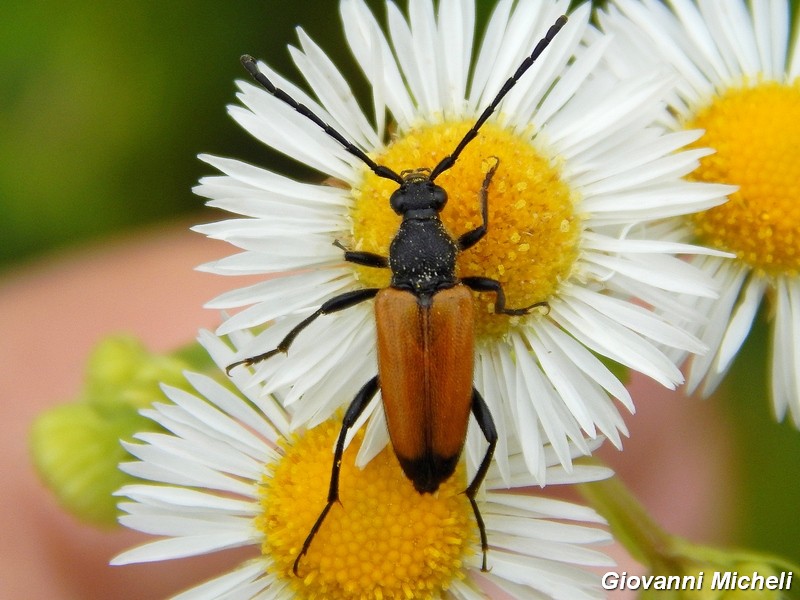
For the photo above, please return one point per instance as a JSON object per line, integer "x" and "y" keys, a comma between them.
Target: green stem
{"x": 630, "y": 523}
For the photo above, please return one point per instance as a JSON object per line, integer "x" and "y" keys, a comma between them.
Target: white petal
{"x": 523, "y": 101}
{"x": 218, "y": 423}
{"x": 333, "y": 92}
{"x": 367, "y": 41}
{"x": 155, "y": 466}
{"x": 229, "y": 583}
{"x": 558, "y": 581}
{"x": 282, "y": 288}
{"x": 739, "y": 325}
{"x": 280, "y": 127}
{"x": 771, "y": 25}
{"x": 181, "y": 547}
{"x": 651, "y": 146}
{"x": 267, "y": 404}
{"x": 179, "y": 499}
{"x": 532, "y": 387}
{"x": 489, "y": 382}
{"x": 415, "y": 48}
{"x": 570, "y": 81}
{"x": 492, "y": 39}
{"x": 524, "y": 28}
{"x": 274, "y": 184}
{"x": 565, "y": 387}
{"x": 785, "y": 377}
{"x": 603, "y": 335}
{"x": 277, "y": 297}
{"x": 454, "y": 43}
{"x": 639, "y": 320}
{"x": 545, "y": 507}
{"x": 188, "y": 523}
{"x": 730, "y": 279}
{"x": 604, "y": 243}
{"x": 736, "y": 29}
{"x": 666, "y": 273}
{"x": 702, "y": 40}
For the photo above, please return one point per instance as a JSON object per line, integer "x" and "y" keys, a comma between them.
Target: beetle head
{"x": 418, "y": 192}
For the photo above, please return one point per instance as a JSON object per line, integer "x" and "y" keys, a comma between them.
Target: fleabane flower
{"x": 737, "y": 79}
{"x": 580, "y": 174}
{"x": 228, "y": 473}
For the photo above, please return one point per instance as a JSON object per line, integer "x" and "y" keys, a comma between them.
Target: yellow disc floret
{"x": 532, "y": 239}
{"x": 755, "y": 132}
{"x": 384, "y": 540}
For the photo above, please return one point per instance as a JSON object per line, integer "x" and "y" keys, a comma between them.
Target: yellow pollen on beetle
{"x": 755, "y": 132}
{"x": 533, "y": 232}
{"x": 384, "y": 540}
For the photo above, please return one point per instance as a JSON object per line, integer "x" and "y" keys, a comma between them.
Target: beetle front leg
{"x": 484, "y": 418}
{"x": 357, "y": 406}
{"x": 469, "y": 239}
{"x": 367, "y": 259}
{"x": 337, "y": 303}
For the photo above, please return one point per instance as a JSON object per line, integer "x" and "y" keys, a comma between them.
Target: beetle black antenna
{"x": 249, "y": 63}
{"x": 450, "y": 160}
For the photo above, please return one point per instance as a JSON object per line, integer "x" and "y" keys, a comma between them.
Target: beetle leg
{"x": 337, "y": 303}
{"x": 368, "y": 259}
{"x": 484, "y": 418}
{"x": 485, "y": 284}
{"x": 357, "y": 406}
{"x": 469, "y": 239}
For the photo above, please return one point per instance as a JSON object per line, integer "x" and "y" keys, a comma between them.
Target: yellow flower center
{"x": 383, "y": 541}
{"x": 756, "y": 134}
{"x": 533, "y": 233}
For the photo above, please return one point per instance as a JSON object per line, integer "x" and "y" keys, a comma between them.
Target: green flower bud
{"x": 121, "y": 372}
{"x": 76, "y": 451}
{"x": 76, "y": 447}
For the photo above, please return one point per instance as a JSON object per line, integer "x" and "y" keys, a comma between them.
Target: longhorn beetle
{"x": 424, "y": 320}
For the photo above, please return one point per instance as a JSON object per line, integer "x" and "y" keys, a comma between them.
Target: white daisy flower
{"x": 228, "y": 473}
{"x": 577, "y": 163}
{"x": 737, "y": 80}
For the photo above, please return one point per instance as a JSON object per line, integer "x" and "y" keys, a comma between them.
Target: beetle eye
{"x": 439, "y": 197}
{"x": 396, "y": 200}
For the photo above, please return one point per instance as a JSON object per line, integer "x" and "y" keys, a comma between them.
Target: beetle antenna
{"x": 450, "y": 160}
{"x": 249, "y": 63}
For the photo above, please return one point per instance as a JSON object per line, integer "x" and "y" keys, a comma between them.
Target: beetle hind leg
{"x": 484, "y": 418}
{"x": 357, "y": 406}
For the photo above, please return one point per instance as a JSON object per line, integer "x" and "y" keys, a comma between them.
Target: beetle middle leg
{"x": 484, "y": 418}
{"x": 357, "y": 406}
{"x": 485, "y": 284}
{"x": 337, "y": 303}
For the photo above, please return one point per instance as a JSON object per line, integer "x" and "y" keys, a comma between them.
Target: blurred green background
{"x": 104, "y": 107}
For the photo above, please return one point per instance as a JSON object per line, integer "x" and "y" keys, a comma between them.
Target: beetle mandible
{"x": 424, "y": 320}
